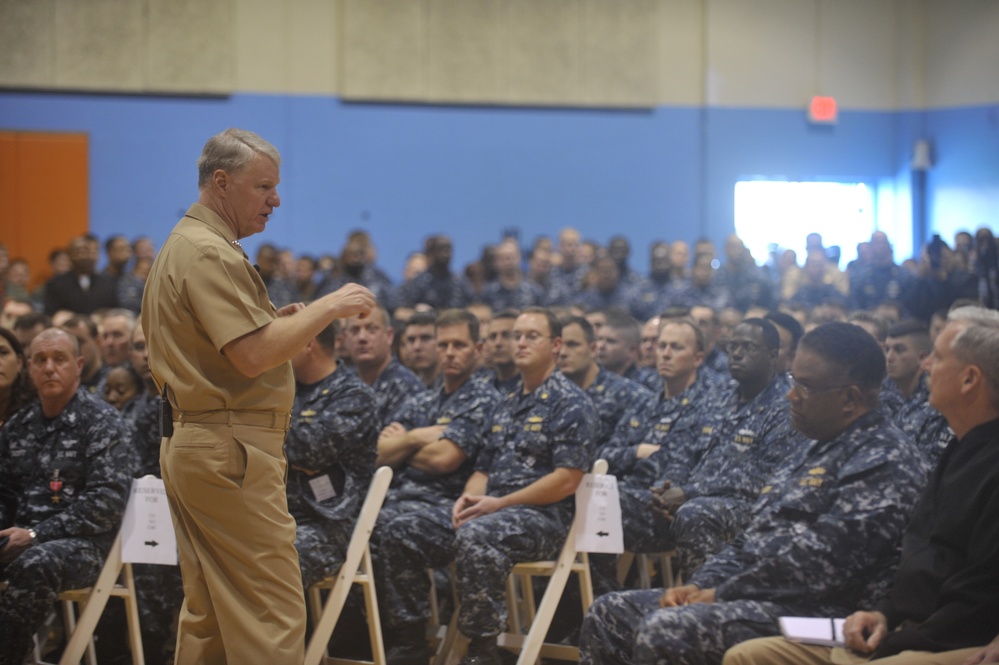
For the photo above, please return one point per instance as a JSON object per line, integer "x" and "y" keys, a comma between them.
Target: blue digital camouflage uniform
{"x": 488, "y": 375}
{"x": 370, "y": 278}
{"x": 95, "y": 385}
{"x": 331, "y": 448}
{"x": 414, "y": 530}
{"x": 614, "y": 396}
{"x": 813, "y": 295}
{"x": 280, "y": 291}
{"x": 531, "y": 436}
{"x": 129, "y": 288}
{"x": 624, "y": 296}
{"x": 924, "y": 424}
{"x": 392, "y": 388}
{"x": 68, "y": 478}
{"x": 645, "y": 376}
{"x": 716, "y": 363}
{"x": 439, "y": 291}
{"x": 744, "y": 445}
{"x": 890, "y": 399}
{"x": 874, "y": 285}
{"x": 652, "y": 298}
{"x": 747, "y": 286}
{"x": 673, "y": 423}
{"x": 825, "y": 529}
{"x": 687, "y": 294}
{"x": 141, "y": 417}
{"x": 499, "y": 297}
{"x": 564, "y": 286}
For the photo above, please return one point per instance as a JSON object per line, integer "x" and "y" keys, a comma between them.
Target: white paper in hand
{"x": 809, "y": 630}
{"x": 597, "y": 501}
{"x": 147, "y": 534}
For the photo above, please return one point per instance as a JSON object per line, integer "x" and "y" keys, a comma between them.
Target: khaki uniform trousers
{"x": 244, "y": 602}
{"x": 778, "y": 651}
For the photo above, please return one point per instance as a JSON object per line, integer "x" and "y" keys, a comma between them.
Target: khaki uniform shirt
{"x": 203, "y": 293}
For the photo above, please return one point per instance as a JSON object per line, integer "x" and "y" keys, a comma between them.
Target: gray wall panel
{"x": 27, "y": 32}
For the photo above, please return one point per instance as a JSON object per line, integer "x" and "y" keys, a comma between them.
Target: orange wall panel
{"x": 44, "y": 178}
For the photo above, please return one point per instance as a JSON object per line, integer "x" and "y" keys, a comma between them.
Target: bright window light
{"x": 779, "y": 215}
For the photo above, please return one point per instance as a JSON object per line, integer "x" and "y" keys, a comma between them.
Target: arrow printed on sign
{"x": 151, "y": 543}
{"x": 602, "y": 534}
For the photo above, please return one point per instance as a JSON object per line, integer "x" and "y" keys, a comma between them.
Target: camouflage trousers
{"x": 410, "y": 536}
{"x": 703, "y": 526}
{"x": 486, "y": 550}
{"x": 629, "y": 628}
{"x": 322, "y": 549}
{"x": 644, "y": 530}
{"x": 159, "y": 592}
{"x": 35, "y": 579}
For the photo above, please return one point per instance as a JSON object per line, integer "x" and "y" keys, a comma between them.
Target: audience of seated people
{"x": 692, "y": 404}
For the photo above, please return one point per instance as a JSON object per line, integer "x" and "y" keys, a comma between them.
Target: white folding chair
{"x": 356, "y": 569}
{"x": 115, "y": 579}
{"x": 533, "y": 645}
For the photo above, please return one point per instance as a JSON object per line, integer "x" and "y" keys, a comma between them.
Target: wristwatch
{"x": 33, "y": 535}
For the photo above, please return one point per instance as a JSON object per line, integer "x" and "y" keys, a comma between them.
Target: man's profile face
{"x": 576, "y": 355}
{"x": 902, "y": 359}
{"x": 55, "y": 366}
{"x": 500, "y": 341}
{"x": 784, "y": 354}
{"x": 88, "y": 346}
{"x": 613, "y": 351}
{"x": 458, "y": 354}
{"x": 421, "y": 349}
{"x": 251, "y": 195}
{"x": 650, "y": 342}
{"x": 368, "y": 341}
{"x": 138, "y": 355}
{"x": 816, "y": 400}
{"x": 748, "y": 356}
{"x": 945, "y": 370}
{"x": 115, "y": 331}
{"x": 13, "y": 309}
{"x": 677, "y": 354}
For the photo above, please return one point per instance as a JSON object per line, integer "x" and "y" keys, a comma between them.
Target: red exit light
{"x": 823, "y": 110}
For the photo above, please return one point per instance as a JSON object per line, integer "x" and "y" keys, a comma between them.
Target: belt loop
{"x": 181, "y": 417}
{"x": 229, "y": 418}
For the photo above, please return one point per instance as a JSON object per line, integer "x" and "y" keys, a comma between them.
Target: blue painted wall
{"x": 403, "y": 172}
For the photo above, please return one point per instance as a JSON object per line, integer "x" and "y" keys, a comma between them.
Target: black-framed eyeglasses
{"x": 808, "y": 391}
{"x": 746, "y": 347}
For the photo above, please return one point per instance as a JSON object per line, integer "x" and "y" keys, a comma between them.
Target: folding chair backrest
{"x": 339, "y": 585}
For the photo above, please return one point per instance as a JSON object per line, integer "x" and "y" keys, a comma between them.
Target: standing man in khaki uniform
{"x": 220, "y": 352}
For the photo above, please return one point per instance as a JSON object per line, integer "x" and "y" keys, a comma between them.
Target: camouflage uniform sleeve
{"x": 828, "y": 542}
{"x": 469, "y": 427}
{"x": 343, "y": 434}
{"x": 574, "y": 426}
{"x": 413, "y": 412}
{"x": 99, "y": 508}
{"x": 621, "y": 449}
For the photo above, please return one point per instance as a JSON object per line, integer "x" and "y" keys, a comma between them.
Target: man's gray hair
{"x": 978, "y": 342}
{"x": 230, "y": 151}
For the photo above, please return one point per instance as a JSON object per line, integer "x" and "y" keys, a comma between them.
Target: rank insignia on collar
{"x": 535, "y": 419}
{"x": 308, "y": 413}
